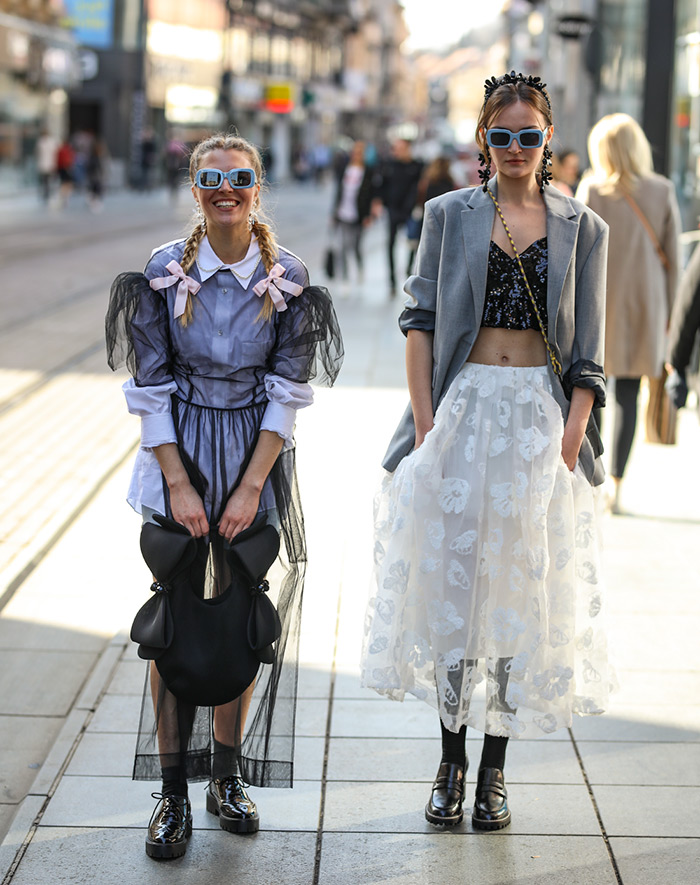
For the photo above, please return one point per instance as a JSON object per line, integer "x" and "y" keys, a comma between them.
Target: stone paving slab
{"x": 114, "y": 856}
{"x": 484, "y": 858}
{"x": 617, "y": 762}
{"x": 547, "y": 809}
{"x": 641, "y": 723}
{"x": 650, "y": 811}
{"x": 657, "y": 861}
{"x": 80, "y": 802}
{"x": 401, "y": 759}
{"x": 49, "y": 684}
{"x": 25, "y": 742}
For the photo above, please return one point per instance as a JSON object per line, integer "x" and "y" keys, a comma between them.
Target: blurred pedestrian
{"x": 641, "y": 209}
{"x": 485, "y": 539}
{"x": 566, "y": 171}
{"x": 397, "y": 194}
{"x": 435, "y": 181}
{"x": 352, "y": 207}
{"x": 175, "y": 165}
{"x": 222, "y": 335}
{"x": 95, "y": 173}
{"x": 149, "y": 152}
{"x": 46, "y": 150}
{"x": 65, "y": 157}
{"x": 683, "y": 353}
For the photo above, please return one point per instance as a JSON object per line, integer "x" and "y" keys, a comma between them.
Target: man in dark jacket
{"x": 398, "y": 191}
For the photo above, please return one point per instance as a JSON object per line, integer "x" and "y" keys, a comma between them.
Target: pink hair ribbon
{"x": 186, "y": 284}
{"x": 272, "y": 284}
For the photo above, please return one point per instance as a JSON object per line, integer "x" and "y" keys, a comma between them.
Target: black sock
{"x": 225, "y": 761}
{"x": 454, "y": 745}
{"x": 494, "y": 753}
{"x": 174, "y": 781}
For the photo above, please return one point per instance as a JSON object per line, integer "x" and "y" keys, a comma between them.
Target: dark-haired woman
{"x": 488, "y": 597}
{"x": 222, "y": 335}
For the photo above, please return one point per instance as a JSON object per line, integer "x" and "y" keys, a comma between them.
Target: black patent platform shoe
{"x": 490, "y": 810}
{"x": 227, "y": 798}
{"x": 170, "y": 827}
{"x": 445, "y": 805}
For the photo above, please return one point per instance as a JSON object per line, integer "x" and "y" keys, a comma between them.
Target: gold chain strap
{"x": 556, "y": 365}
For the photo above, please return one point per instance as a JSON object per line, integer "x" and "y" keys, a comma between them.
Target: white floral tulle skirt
{"x": 488, "y": 598}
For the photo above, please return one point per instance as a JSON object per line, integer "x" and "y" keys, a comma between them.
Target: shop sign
{"x": 91, "y": 21}
{"x": 574, "y": 27}
{"x": 278, "y": 98}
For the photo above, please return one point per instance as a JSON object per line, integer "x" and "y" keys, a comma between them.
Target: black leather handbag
{"x": 207, "y": 651}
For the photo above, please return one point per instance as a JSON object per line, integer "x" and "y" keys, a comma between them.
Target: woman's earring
{"x": 485, "y": 173}
{"x": 252, "y": 218}
{"x": 198, "y": 214}
{"x": 545, "y": 174}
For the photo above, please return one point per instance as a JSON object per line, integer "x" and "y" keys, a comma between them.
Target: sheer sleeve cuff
{"x": 297, "y": 394}
{"x": 152, "y": 406}
{"x": 586, "y": 373}
{"x": 415, "y": 318}
{"x": 279, "y": 419}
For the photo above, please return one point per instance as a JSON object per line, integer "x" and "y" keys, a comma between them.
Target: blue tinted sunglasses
{"x": 211, "y": 179}
{"x": 526, "y": 138}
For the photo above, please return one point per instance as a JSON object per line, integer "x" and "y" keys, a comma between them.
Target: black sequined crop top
{"x": 507, "y": 304}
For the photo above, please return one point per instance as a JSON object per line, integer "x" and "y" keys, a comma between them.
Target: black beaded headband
{"x": 513, "y": 78}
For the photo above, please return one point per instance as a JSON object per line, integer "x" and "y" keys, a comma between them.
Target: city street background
{"x": 616, "y": 799}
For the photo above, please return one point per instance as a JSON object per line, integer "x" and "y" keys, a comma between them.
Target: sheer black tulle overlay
{"x": 217, "y": 419}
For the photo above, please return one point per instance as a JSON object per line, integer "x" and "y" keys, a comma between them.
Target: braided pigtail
{"x": 188, "y": 256}
{"x": 269, "y": 253}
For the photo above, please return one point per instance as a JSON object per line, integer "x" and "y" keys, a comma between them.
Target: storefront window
{"x": 623, "y": 26}
{"x": 685, "y": 131}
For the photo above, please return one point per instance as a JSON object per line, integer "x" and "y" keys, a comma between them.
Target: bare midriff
{"x": 509, "y": 347}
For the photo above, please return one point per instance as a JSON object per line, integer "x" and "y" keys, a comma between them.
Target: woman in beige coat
{"x": 641, "y": 209}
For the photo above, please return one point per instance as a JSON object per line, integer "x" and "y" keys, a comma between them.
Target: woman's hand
{"x": 421, "y": 433}
{"x": 187, "y": 509}
{"x": 575, "y": 428}
{"x": 240, "y": 511}
{"x": 571, "y": 444}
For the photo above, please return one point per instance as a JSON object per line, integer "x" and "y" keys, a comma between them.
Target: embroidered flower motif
{"x": 443, "y": 617}
{"x": 452, "y": 659}
{"x": 595, "y": 605}
{"x": 590, "y": 674}
{"x": 554, "y": 681}
{"x": 385, "y": 609}
{"x": 464, "y": 543}
{"x": 558, "y": 637}
{"x": 585, "y": 640}
{"x": 435, "y": 532}
{"x": 516, "y": 580}
{"x": 517, "y": 664}
{"x": 547, "y": 723}
{"x": 416, "y": 649}
{"x": 516, "y": 696}
{"x": 563, "y": 556}
{"x": 587, "y": 572}
{"x": 446, "y": 692}
{"x": 398, "y": 577}
{"x": 505, "y": 624}
{"x": 469, "y": 449}
{"x": 379, "y": 552}
{"x": 454, "y": 494}
{"x": 499, "y": 444}
{"x": 504, "y": 413}
{"x": 504, "y": 725}
{"x": 385, "y": 678}
{"x": 532, "y": 442}
{"x": 507, "y": 494}
{"x": 380, "y": 644}
{"x": 585, "y": 529}
{"x": 537, "y": 563}
{"x": 429, "y": 564}
{"x": 457, "y": 576}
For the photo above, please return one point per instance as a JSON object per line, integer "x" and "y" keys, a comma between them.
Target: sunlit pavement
{"x": 615, "y": 800}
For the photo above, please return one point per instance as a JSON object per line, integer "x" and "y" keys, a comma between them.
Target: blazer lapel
{"x": 477, "y": 223}
{"x": 562, "y": 231}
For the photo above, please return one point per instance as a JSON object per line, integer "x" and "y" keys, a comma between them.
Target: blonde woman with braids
{"x": 222, "y": 334}
{"x": 488, "y": 590}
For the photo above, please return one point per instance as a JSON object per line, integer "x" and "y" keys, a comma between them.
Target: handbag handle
{"x": 556, "y": 365}
{"x": 663, "y": 258}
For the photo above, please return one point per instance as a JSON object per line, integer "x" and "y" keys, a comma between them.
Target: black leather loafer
{"x": 491, "y": 810}
{"x": 236, "y": 811}
{"x": 170, "y": 827}
{"x": 445, "y": 805}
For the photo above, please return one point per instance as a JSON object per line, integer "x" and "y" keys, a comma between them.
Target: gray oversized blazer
{"x": 446, "y": 295}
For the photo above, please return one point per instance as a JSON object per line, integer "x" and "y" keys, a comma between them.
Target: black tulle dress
{"x": 218, "y": 399}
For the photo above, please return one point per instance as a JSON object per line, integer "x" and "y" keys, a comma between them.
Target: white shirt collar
{"x": 208, "y": 262}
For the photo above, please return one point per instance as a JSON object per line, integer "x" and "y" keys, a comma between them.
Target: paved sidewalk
{"x": 615, "y": 800}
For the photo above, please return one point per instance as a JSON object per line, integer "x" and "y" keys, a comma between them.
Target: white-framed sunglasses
{"x": 212, "y": 179}
{"x": 526, "y": 138}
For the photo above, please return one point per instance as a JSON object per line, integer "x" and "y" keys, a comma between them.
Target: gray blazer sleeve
{"x": 421, "y": 288}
